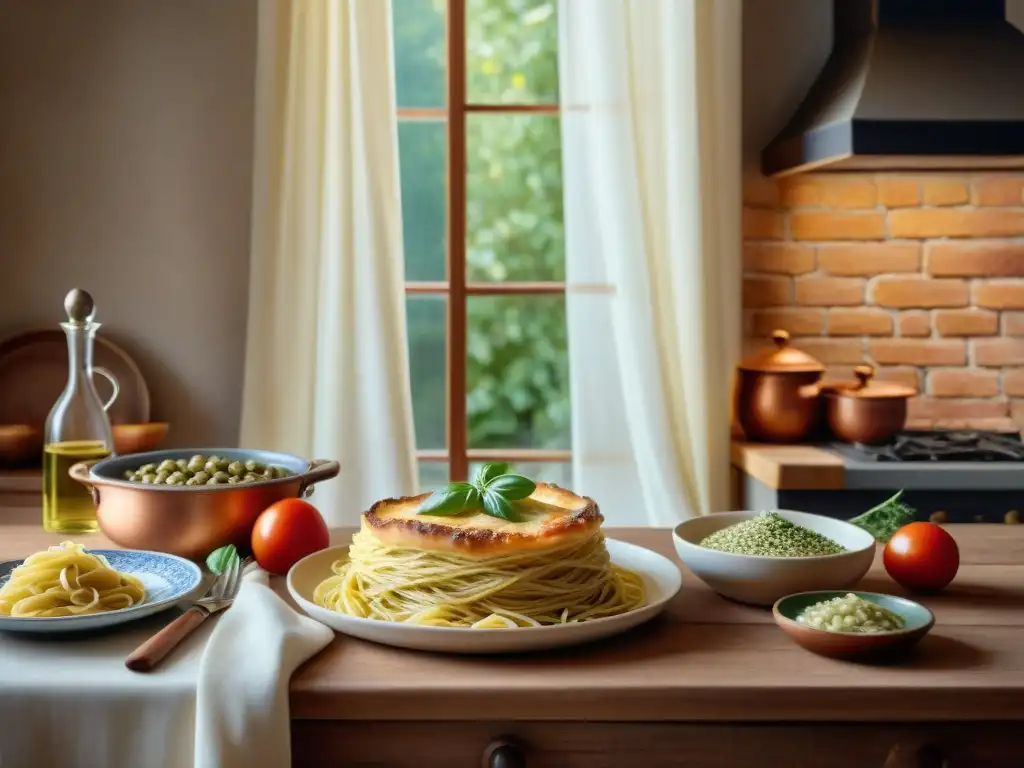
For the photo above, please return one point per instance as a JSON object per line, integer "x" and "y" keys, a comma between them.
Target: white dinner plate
{"x": 167, "y": 579}
{"x": 662, "y": 580}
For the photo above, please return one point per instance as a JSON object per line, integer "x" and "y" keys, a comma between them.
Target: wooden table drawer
{"x": 653, "y": 745}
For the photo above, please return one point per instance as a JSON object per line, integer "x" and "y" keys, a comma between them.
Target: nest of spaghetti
{"x": 472, "y": 570}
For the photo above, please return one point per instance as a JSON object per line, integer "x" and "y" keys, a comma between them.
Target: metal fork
{"x": 220, "y": 596}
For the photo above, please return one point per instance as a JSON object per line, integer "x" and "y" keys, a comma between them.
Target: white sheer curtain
{"x": 651, "y": 144}
{"x": 326, "y": 373}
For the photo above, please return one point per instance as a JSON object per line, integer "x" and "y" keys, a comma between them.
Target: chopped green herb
{"x": 769, "y": 534}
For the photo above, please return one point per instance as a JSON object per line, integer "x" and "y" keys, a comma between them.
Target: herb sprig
{"x": 493, "y": 491}
{"x": 885, "y": 519}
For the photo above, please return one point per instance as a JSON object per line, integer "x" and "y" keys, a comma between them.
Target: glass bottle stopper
{"x": 79, "y": 306}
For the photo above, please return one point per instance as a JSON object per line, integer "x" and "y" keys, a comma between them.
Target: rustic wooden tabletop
{"x": 705, "y": 659}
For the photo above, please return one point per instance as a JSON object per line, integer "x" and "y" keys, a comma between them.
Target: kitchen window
{"x": 481, "y": 181}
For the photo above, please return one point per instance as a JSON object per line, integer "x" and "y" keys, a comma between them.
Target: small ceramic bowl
{"x": 850, "y": 645}
{"x": 20, "y": 444}
{"x": 761, "y": 580}
{"x": 139, "y": 438}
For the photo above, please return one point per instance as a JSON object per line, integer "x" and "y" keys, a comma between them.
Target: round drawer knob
{"x": 504, "y": 754}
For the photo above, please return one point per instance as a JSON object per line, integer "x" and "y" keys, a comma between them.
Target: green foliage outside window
{"x": 518, "y": 367}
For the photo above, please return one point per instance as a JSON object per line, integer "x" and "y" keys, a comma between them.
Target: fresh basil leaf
{"x": 450, "y": 500}
{"x": 512, "y": 487}
{"x": 218, "y": 560}
{"x": 488, "y": 472}
{"x": 497, "y": 505}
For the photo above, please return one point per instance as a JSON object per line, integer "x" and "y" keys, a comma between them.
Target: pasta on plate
{"x": 67, "y": 580}
{"x": 549, "y": 567}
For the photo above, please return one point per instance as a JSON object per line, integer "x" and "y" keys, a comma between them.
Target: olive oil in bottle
{"x": 67, "y": 504}
{"x": 77, "y": 428}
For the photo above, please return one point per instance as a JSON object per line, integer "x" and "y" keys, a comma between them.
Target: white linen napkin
{"x": 242, "y": 716}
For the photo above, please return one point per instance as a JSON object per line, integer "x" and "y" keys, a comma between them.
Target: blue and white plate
{"x": 168, "y": 579}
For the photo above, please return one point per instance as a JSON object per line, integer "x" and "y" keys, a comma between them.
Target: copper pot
{"x": 777, "y": 399}
{"x": 866, "y": 411}
{"x": 190, "y": 521}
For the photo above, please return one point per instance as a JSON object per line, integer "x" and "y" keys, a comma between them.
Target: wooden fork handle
{"x": 150, "y": 653}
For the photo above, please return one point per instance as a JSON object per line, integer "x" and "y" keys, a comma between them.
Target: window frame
{"x": 455, "y": 288}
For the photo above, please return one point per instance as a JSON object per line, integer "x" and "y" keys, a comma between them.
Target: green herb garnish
{"x": 493, "y": 491}
{"x": 218, "y": 560}
{"x": 885, "y": 519}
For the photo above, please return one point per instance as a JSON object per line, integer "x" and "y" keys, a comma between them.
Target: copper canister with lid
{"x": 865, "y": 410}
{"x": 778, "y": 395}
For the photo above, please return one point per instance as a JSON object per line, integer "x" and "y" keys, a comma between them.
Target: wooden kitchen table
{"x": 710, "y": 683}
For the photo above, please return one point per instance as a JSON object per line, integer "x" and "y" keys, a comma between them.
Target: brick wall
{"x": 921, "y": 275}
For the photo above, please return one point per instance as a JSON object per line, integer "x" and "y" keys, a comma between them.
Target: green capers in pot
{"x": 203, "y": 470}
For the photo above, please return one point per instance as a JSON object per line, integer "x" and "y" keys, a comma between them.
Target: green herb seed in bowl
{"x": 757, "y": 557}
{"x": 771, "y": 535}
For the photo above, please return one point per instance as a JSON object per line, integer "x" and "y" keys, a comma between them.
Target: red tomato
{"x": 285, "y": 532}
{"x": 922, "y": 557}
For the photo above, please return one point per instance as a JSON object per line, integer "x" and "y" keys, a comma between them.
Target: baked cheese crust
{"x": 553, "y": 516}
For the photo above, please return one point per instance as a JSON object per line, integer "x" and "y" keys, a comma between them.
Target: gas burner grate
{"x": 950, "y": 446}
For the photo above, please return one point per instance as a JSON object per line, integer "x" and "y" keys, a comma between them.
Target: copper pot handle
{"x": 319, "y": 469}
{"x": 781, "y": 338}
{"x": 80, "y": 472}
{"x": 864, "y": 374}
{"x": 810, "y": 391}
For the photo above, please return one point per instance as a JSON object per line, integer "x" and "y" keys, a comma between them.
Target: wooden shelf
{"x": 790, "y": 467}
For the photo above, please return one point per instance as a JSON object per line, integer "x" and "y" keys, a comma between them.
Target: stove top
{"x": 947, "y": 445}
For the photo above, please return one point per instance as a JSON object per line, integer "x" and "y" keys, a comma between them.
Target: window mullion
{"x": 457, "y": 309}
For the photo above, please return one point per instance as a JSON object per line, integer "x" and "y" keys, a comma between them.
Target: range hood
{"x": 911, "y": 85}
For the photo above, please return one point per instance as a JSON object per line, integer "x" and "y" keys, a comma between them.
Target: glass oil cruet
{"x": 77, "y": 428}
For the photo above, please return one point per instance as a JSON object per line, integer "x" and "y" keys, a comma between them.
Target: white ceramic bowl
{"x": 763, "y": 580}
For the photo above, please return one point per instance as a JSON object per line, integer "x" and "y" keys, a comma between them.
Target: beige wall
{"x": 125, "y": 145}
